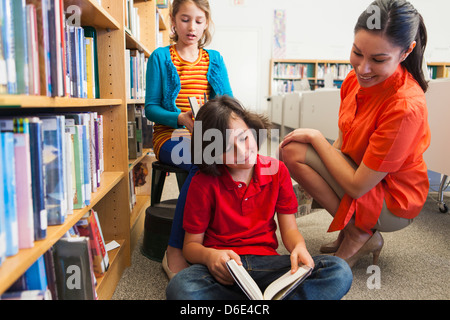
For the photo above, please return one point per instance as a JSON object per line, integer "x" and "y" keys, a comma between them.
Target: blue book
{"x": 9, "y": 45}
{"x": 9, "y": 193}
{"x": 2, "y": 216}
{"x": 37, "y": 178}
{"x": 54, "y": 169}
{"x": 35, "y": 276}
{"x": 21, "y": 46}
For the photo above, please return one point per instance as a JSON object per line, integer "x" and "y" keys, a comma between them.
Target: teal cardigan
{"x": 163, "y": 85}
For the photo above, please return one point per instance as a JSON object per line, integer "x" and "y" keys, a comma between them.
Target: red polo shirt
{"x": 386, "y": 127}
{"x": 239, "y": 217}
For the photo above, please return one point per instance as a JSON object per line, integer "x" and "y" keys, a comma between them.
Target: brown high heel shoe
{"x": 332, "y": 247}
{"x": 373, "y": 245}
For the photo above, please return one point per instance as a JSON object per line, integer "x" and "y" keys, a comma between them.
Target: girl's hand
{"x": 185, "y": 119}
{"x": 300, "y": 255}
{"x": 217, "y": 265}
{"x": 302, "y": 135}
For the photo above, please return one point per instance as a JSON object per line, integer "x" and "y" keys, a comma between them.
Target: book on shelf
{"x": 89, "y": 226}
{"x": 7, "y": 28}
{"x": 32, "y": 285}
{"x": 136, "y": 63}
{"x": 54, "y": 158}
{"x": 21, "y": 46}
{"x": 2, "y": 215}
{"x": 75, "y": 278}
{"x": 277, "y": 290}
{"x": 42, "y": 55}
{"x": 37, "y": 178}
{"x": 33, "y": 51}
{"x": 22, "y": 158}
{"x": 9, "y": 192}
{"x": 51, "y": 165}
{"x": 66, "y": 271}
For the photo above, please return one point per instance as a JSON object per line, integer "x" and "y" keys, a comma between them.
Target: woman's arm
{"x": 355, "y": 182}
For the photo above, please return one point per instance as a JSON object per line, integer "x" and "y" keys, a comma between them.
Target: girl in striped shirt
{"x": 175, "y": 73}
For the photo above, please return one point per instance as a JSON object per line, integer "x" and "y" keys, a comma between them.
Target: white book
{"x": 277, "y": 290}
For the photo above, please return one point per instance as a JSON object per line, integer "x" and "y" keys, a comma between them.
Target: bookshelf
{"x": 439, "y": 70}
{"x": 286, "y": 74}
{"x": 111, "y": 200}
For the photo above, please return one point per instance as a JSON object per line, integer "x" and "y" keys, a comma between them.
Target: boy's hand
{"x": 300, "y": 255}
{"x": 217, "y": 265}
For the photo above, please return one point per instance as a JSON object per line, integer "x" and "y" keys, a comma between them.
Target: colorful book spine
{"x": 53, "y": 168}
{"x": 21, "y": 46}
{"x": 9, "y": 193}
{"x": 9, "y": 45}
{"x": 2, "y": 215}
{"x": 24, "y": 190}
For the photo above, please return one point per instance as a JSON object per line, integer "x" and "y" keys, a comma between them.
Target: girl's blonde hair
{"x": 203, "y": 5}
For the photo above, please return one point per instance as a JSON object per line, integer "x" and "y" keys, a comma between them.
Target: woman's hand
{"x": 217, "y": 265}
{"x": 302, "y": 135}
{"x": 185, "y": 119}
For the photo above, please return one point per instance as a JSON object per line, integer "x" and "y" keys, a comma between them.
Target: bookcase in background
{"x": 111, "y": 201}
{"x": 286, "y": 74}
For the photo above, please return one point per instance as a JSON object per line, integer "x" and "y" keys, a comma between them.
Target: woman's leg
{"x": 295, "y": 156}
{"x": 174, "y": 254}
{"x": 307, "y": 168}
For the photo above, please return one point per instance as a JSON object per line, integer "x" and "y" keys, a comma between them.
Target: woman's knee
{"x": 293, "y": 152}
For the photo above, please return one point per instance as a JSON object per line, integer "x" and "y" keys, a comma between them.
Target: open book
{"x": 277, "y": 290}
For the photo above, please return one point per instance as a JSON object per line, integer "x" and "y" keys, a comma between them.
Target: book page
{"x": 194, "y": 105}
{"x": 244, "y": 280}
{"x": 281, "y": 287}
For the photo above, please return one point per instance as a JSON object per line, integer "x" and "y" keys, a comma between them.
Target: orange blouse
{"x": 386, "y": 127}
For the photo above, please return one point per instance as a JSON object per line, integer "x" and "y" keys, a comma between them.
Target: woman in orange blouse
{"x": 373, "y": 178}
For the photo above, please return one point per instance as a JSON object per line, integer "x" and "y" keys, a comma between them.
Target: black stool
{"x": 159, "y": 172}
{"x": 157, "y": 226}
{"x": 159, "y": 216}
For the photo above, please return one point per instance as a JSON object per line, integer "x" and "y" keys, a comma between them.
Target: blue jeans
{"x": 165, "y": 155}
{"x": 331, "y": 279}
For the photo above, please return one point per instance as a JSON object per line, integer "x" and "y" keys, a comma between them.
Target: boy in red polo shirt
{"x": 230, "y": 211}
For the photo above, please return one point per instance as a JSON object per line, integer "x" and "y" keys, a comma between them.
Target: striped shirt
{"x": 193, "y": 84}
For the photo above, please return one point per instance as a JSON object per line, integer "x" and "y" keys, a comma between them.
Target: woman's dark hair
{"x": 400, "y": 22}
{"x": 216, "y": 114}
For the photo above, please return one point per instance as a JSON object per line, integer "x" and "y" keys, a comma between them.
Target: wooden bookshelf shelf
{"x": 93, "y": 14}
{"x": 25, "y": 101}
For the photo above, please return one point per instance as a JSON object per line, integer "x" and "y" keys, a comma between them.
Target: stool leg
{"x": 181, "y": 178}
{"x": 158, "y": 179}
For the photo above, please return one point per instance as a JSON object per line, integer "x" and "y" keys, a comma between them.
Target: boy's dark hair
{"x": 216, "y": 114}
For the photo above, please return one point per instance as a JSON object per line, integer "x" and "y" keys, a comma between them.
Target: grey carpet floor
{"x": 414, "y": 263}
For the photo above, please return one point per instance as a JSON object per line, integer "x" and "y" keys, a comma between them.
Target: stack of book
{"x": 43, "y": 53}
{"x": 50, "y": 164}
{"x": 69, "y": 269}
